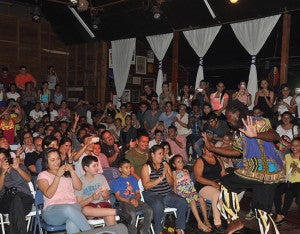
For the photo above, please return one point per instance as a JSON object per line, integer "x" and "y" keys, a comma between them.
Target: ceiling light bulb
{"x": 234, "y": 1}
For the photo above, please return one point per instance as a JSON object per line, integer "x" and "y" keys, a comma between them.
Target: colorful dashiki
{"x": 260, "y": 161}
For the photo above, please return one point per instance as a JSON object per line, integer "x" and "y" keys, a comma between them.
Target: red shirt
{"x": 21, "y": 80}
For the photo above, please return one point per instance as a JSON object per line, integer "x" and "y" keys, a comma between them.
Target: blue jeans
{"x": 69, "y": 214}
{"x": 196, "y": 141}
{"x": 158, "y": 203}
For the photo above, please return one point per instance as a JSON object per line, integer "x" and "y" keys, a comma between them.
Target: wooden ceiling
{"x": 133, "y": 18}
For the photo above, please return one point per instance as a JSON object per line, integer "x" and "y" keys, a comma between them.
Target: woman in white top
{"x": 295, "y": 102}
{"x": 287, "y": 127}
{"x": 283, "y": 102}
{"x": 185, "y": 97}
{"x": 181, "y": 121}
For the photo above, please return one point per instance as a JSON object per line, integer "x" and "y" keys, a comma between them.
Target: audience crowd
{"x": 64, "y": 150}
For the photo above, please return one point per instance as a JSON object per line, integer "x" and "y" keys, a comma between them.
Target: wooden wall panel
{"x": 8, "y": 29}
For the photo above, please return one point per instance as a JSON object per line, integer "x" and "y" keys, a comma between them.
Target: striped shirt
{"x": 163, "y": 188}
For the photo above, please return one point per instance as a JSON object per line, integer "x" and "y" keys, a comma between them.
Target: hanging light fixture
{"x": 95, "y": 18}
{"x": 157, "y": 12}
{"x": 233, "y": 1}
{"x": 36, "y": 14}
{"x": 82, "y": 5}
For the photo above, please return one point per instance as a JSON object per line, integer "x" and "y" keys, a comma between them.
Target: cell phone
{"x": 95, "y": 139}
{"x": 297, "y": 90}
{"x": 200, "y": 90}
{"x": 1, "y": 86}
{"x": 14, "y": 103}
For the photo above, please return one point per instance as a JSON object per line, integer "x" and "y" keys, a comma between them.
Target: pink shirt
{"x": 64, "y": 193}
{"x": 216, "y": 103}
{"x": 176, "y": 149}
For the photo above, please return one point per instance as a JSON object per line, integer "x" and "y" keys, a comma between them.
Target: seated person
{"x": 101, "y": 157}
{"x": 158, "y": 138}
{"x": 157, "y": 179}
{"x": 208, "y": 170}
{"x": 215, "y": 128}
{"x": 292, "y": 187}
{"x": 57, "y": 182}
{"x": 177, "y": 142}
{"x": 126, "y": 189}
{"x": 32, "y": 157}
{"x": 15, "y": 196}
{"x": 94, "y": 195}
{"x": 227, "y": 141}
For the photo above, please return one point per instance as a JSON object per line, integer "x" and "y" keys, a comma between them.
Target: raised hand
{"x": 61, "y": 171}
{"x": 250, "y": 129}
{"x": 76, "y": 117}
{"x": 16, "y": 163}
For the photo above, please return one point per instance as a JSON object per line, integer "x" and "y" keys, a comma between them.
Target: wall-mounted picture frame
{"x": 135, "y": 96}
{"x": 126, "y": 96}
{"x": 150, "y": 56}
{"x": 132, "y": 62}
{"x": 150, "y": 82}
{"x": 140, "y": 65}
{"x": 150, "y": 67}
{"x": 136, "y": 80}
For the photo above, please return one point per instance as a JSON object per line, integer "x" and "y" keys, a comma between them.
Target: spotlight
{"x": 36, "y": 14}
{"x": 95, "y": 18}
{"x": 157, "y": 12}
{"x": 233, "y": 1}
{"x": 96, "y": 22}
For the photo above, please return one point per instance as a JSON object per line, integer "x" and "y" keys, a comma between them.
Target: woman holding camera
{"x": 242, "y": 94}
{"x": 57, "y": 182}
{"x": 15, "y": 196}
{"x": 284, "y": 101}
{"x": 264, "y": 98}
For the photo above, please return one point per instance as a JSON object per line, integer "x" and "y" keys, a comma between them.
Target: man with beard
{"x": 260, "y": 168}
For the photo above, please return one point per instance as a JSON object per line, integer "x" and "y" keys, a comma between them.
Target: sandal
{"x": 205, "y": 229}
{"x": 207, "y": 224}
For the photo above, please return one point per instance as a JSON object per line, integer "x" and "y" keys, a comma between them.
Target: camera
{"x": 10, "y": 160}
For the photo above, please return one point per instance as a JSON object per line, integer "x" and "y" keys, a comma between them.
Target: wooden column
{"x": 175, "y": 63}
{"x": 285, "y": 46}
{"x": 102, "y": 79}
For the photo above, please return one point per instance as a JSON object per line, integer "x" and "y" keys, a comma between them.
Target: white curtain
{"x": 122, "y": 51}
{"x": 253, "y": 35}
{"x": 200, "y": 40}
{"x": 160, "y": 44}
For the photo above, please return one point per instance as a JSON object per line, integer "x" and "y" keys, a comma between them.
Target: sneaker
{"x": 250, "y": 215}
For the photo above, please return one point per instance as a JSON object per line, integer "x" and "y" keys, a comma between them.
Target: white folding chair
{"x": 99, "y": 222}
{"x": 32, "y": 213}
{"x": 167, "y": 210}
{"x": 3, "y": 220}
